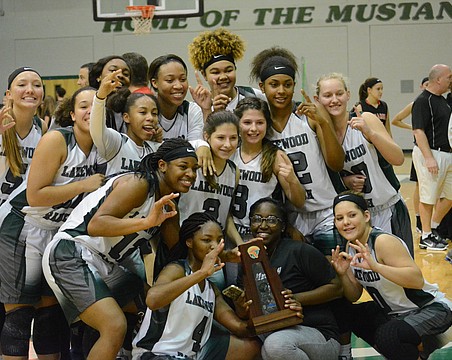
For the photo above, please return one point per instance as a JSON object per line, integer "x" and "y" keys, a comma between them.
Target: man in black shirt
{"x": 432, "y": 155}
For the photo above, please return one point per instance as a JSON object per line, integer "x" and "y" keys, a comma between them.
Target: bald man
{"x": 432, "y": 155}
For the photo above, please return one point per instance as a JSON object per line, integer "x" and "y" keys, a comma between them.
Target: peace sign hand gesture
{"x": 200, "y": 94}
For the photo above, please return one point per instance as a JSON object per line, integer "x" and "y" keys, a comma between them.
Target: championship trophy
{"x": 263, "y": 286}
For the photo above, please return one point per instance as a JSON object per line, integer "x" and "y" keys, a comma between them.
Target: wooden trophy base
{"x": 271, "y": 322}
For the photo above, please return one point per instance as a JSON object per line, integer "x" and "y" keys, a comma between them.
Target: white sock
{"x": 346, "y": 350}
{"x": 434, "y": 225}
{"x": 425, "y": 234}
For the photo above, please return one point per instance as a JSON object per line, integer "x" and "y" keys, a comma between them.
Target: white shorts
{"x": 431, "y": 187}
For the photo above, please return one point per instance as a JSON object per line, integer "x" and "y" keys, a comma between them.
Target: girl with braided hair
{"x": 93, "y": 263}
{"x": 183, "y": 303}
{"x": 214, "y": 55}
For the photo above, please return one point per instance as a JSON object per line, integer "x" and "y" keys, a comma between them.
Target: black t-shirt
{"x": 431, "y": 113}
{"x": 301, "y": 268}
{"x": 381, "y": 111}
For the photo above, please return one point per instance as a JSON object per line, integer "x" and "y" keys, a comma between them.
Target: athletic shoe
{"x": 439, "y": 238}
{"x": 449, "y": 256}
{"x": 431, "y": 243}
{"x": 418, "y": 224}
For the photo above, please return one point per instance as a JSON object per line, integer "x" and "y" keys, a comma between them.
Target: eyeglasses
{"x": 270, "y": 220}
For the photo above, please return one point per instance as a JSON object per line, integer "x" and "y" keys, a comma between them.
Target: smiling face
{"x": 253, "y": 126}
{"x": 117, "y": 64}
{"x": 26, "y": 91}
{"x": 333, "y": 95}
{"x": 351, "y": 222}
{"x": 205, "y": 240}
{"x": 223, "y": 141}
{"x": 279, "y": 90}
{"x": 179, "y": 175}
{"x": 142, "y": 119}
{"x": 222, "y": 73}
{"x": 171, "y": 83}
{"x": 82, "y": 110}
{"x": 270, "y": 233}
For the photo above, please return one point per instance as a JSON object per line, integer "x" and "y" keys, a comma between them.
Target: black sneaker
{"x": 439, "y": 238}
{"x": 418, "y": 224}
{"x": 449, "y": 256}
{"x": 430, "y": 243}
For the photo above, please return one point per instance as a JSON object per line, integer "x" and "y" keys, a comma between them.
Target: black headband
{"x": 216, "y": 58}
{"x": 276, "y": 70}
{"x": 180, "y": 152}
{"x": 18, "y": 71}
{"x": 358, "y": 200}
{"x": 372, "y": 82}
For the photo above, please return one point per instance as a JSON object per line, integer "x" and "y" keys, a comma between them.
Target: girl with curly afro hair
{"x": 214, "y": 54}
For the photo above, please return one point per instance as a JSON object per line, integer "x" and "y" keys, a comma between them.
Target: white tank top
{"x": 251, "y": 188}
{"x": 300, "y": 143}
{"x": 202, "y": 197}
{"x": 361, "y": 158}
{"x": 8, "y": 183}
{"x": 112, "y": 249}
{"x": 182, "y": 328}
{"x": 393, "y": 298}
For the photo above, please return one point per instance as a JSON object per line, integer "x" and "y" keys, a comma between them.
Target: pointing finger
{"x": 306, "y": 96}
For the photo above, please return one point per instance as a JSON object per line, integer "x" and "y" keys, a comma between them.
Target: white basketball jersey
{"x": 182, "y": 328}
{"x": 300, "y": 143}
{"x": 187, "y": 124}
{"x": 76, "y": 167}
{"x": 361, "y": 158}
{"x": 112, "y": 249}
{"x": 27, "y": 145}
{"x": 251, "y": 188}
{"x": 389, "y": 296}
{"x": 202, "y": 197}
{"x": 128, "y": 156}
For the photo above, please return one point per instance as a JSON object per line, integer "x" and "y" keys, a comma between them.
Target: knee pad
{"x": 90, "y": 336}
{"x": 16, "y": 333}
{"x": 50, "y": 331}
{"x": 132, "y": 321}
{"x": 397, "y": 340}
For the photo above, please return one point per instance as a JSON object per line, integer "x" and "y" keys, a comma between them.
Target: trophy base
{"x": 271, "y": 322}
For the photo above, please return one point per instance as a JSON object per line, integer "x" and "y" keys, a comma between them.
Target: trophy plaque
{"x": 263, "y": 286}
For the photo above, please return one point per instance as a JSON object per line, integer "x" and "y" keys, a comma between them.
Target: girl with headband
{"x": 406, "y": 312}
{"x": 214, "y": 54}
{"x": 20, "y": 129}
{"x": 24, "y": 96}
{"x": 363, "y": 137}
{"x": 307, "y": 136}
{"x": 93, "y": 263}
{"x": 33, "y": 213}
{"x": 370, "y": 93}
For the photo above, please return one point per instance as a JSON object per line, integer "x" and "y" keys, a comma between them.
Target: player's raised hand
{"x": 6, "y": 120}
{"x": 201, "y": 94}
{"x": 163, "y": 209}
{"x": 313, "y": 110}
{"x": 357, "y": 122}
{"x": 110, "y": 83}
